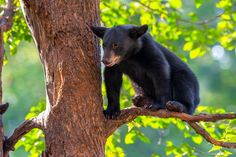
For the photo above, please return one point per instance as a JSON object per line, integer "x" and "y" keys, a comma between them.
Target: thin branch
{"x": 203, "y": 22}
{"x": 7, "y": 18}
{"x": 198, "y": 129}
{"x": 200, "y": 22}
{"x": 129, "y": 114}
{"x": 20, "y": 131}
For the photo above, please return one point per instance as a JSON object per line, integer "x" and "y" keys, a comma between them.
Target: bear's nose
{"x": 105, "y": 61}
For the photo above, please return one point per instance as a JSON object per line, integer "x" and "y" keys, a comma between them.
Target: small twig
{"x": 201, "y": 22}
{"x": 19, "y": 132}
{"x": 198, "y": 129}
{"x": 130, "y": 114}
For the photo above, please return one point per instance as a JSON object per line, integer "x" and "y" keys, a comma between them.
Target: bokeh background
{"x": 201, "y": 32}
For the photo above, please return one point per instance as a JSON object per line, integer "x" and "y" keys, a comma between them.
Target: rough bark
{"x": 5, "y": 25}
{"x": 1, "y": 62}
{"x": 73, "y": 120}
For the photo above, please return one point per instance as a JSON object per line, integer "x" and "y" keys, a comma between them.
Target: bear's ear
{"x": 98, "y": 31}
{"x": 137, "y": 32}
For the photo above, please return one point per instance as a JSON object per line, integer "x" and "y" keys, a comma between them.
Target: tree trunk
{"x": 1, "y": 64}
{"x": 73, "y": 121}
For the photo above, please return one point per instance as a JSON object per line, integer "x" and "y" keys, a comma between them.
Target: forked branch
{"x": 129, "y": 114}
{"x": 20, "y": 131}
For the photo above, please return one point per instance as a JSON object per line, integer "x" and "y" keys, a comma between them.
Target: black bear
{"x": 164, "y": 77}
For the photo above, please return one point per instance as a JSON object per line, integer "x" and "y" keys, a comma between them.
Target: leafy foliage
{"x": 33, "y": 142}
{"x": 19, "y": 31}
{"x": 178, "y": 24}
{"x": 183, "y": 27}
{"x": 224, "y": 130}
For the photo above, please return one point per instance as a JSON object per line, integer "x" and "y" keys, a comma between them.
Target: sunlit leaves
{"x": 197, "y": 139}
{"x": 188, "y": 46}
{"x": 198, "y": 3}
{"x": 224, "y": 4}
{"x": 223, "y": 130}
{"x": 33, "y": 142}
{"x": 234, "y": 16}
{"x": 179, "y": 151}
{"x": 179, "y": 25}
{"x": 145, "y": 18}
{"x": 130, "y": 137}
{"x": 195, "y": 53}
{"x": 36, "y": 110}
{"x": 19, "y": 32}
{"x": 220, "y": 152}
{"x": 2, "y": 3}
{"x": 193, "y": 16}
{"x": 134, "y": 134}
{"x": 175, "y": 3}
{"x": 169, "y": 25}
{"x": 143, "y": 137}
{"x": 112, "y": 150}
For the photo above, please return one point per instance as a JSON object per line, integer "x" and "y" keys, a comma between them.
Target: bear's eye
{"x": 114, "y": 46}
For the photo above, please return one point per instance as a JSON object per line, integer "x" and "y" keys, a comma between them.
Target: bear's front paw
{"x": 111, "y": 112}
{"x": 141, "y": 101}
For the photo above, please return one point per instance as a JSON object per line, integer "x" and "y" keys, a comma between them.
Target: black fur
{"x": 164, "y": 78}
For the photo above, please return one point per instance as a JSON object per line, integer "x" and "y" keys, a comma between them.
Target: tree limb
{"x": 7, "y": 18}
{"x": 20, "y": 131}
{"x": 130, "y": 114}
{"x": 198, "y": 129}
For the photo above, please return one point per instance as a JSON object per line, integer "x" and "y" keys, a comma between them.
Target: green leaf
{"x": 130, "y": 127}
{"x": 130, "y": 137}
{"x": 188, "y": 46}
{"x": 169, "y": 147}
{"x": 195, "y": 53}
{"x": 215, "y": 148}
{"x": 197, "y": 139}
{"x": 144, "y": 138}
{"x": 234, "y": 16}
{"x": 193, "y": 16}
{"x": 177, "y": 4}
{"x": 33, "y": 142}
{"x": 198, "y": 3}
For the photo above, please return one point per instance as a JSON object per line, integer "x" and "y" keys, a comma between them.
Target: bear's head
{"x": 120, "y": 42}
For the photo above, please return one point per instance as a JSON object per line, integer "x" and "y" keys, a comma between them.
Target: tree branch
{"x": 7, "y": 18}
{"x": 20, "y": 131}
{"x": 130, "y": 114}
{"x": 198, "y": 129}
{"x": 200, "y": 22}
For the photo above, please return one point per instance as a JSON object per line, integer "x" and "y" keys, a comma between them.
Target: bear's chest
{"x": 137, "y": 72}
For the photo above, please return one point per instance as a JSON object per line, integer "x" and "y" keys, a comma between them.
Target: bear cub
{"x": 163, "y": 77}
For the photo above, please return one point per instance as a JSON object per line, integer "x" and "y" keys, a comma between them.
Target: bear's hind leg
{"x": 175, "y": 106}
{"x": 183, "y": 93}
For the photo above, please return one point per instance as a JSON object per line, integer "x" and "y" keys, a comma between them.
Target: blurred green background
{"x": 201, "y": 32}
